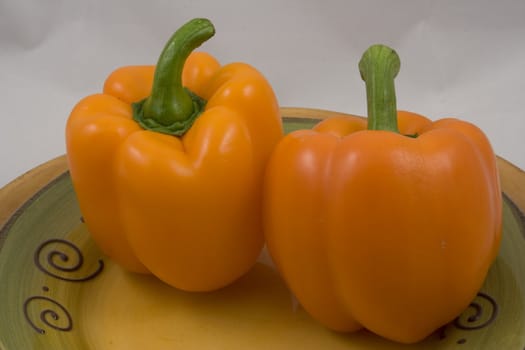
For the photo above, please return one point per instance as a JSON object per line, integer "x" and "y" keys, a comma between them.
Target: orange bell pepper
{"x": 168, "y": 163}
{"x": 389, "y": 223}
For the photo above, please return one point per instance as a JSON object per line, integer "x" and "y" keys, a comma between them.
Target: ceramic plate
{"x": 57, "y": 291}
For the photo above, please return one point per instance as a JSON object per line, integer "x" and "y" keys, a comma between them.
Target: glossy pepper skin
{"x": 390, "y": 228}
{"x": 186, "y": 208}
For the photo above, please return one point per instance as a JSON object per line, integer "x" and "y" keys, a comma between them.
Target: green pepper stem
{"x": 378, "y": 67}
{"x": 171, "y": 108}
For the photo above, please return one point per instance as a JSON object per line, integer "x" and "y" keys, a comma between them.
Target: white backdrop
{"x": 458, "y": 58}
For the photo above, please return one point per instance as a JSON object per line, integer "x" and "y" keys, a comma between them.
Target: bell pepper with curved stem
{"x": 389, "y": 223}
{"x": 168, "y": 162}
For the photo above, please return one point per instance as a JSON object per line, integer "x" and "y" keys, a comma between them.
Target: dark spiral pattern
{"x": 51, "y": 317}
{"x": 478, "y": 315}
{"x": 68, "y": 259}
{"x": 473, "y": 317}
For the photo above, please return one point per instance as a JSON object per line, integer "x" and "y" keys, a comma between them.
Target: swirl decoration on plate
{"x": 481, "y": 313}
{"x": 55, "y": 316}
{"x": 64, "y": 259}
{"x": 476, "y": 320}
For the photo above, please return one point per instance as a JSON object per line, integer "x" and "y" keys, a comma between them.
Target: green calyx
{"x": 378, "y": 67}
{"x": 171, "y": 108}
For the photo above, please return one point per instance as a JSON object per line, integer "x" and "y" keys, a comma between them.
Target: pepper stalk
{"x": 171, "y": 108}
{"x": 378, "y": 67}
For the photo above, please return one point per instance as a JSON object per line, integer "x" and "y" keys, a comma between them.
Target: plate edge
{"x": 18, "y": 212}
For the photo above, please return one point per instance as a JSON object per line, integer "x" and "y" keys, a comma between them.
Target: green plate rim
{"x": 19, "y": 211}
